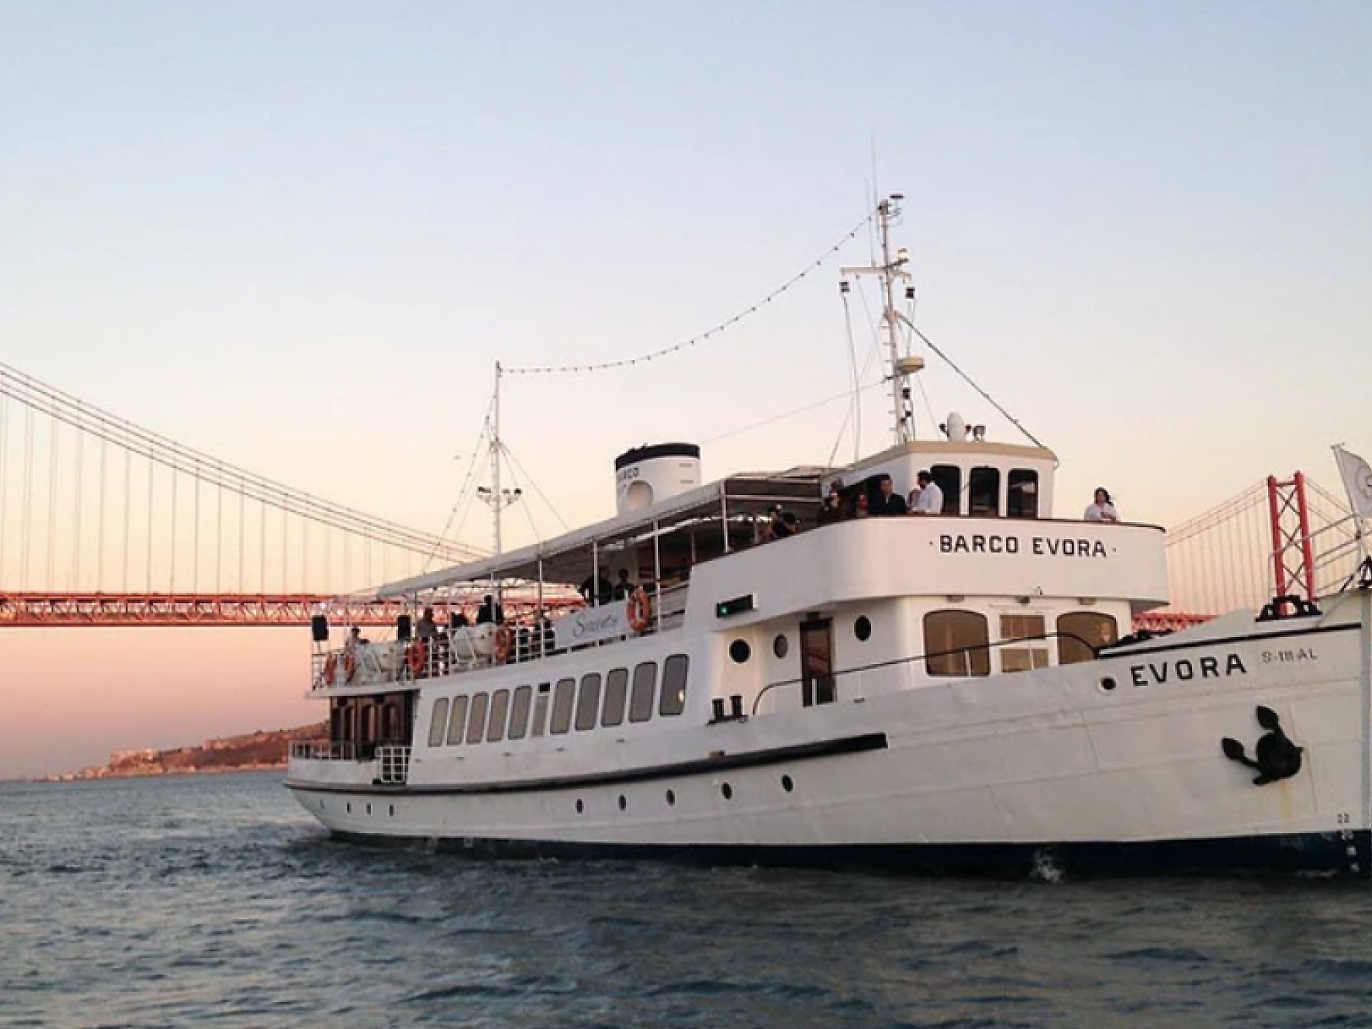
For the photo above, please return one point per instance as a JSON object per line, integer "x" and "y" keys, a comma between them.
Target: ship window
{"x": 519, "y": 712}
{"x": 956, "y": 643}
{"x": 457, "y": 722}
{"x": 641, "y": 699}
{"x": 438, "y": 722}
{"x": 476, "y": 717}
{"x": 1027, "y": 628}
{"x": 588, "y": 701}
{"x": 1022, "y": 494}
{"x": 540, "y": 712}
{"x": 500, "y": 710}
{"x": 949, "y": 479}
{"x": 673, "y": 700}
{"x": 562, "y": 705}
{"x": 1079, "y": 631}
{"x": 983, "y": 492}
{"x": 616, "y": 692}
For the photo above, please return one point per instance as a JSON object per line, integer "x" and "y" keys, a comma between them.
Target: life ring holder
{"x": 640, "y": 609}
{"x": 414, "y": 657}
{"x": 504, "y": 640}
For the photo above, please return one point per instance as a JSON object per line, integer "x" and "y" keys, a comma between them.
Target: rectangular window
{"x": 1022, "y": 494}
{"x": 519, "y": 712}
{"x": 562, "y": 705}
{"x": 616, "y": 696}
{"x": 500, "y": 710}
{"x": 1027, "y": 628}
{"x": 645, "y": 685}
{"x": 956, "y": 643}
{"x": 983, "y": 492}
{"x": 540, "y": 712}
{"x": 457, "y": 721}
{"x": 588, "y": 701}
{"x": 949, "y": 479}
{"x": 673, "y": 699}
{"x": 476, "y": 717}
{"x": 438, "y": 722}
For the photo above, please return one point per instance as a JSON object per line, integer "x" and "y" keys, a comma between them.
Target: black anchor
{"x": 1277, "y": 756}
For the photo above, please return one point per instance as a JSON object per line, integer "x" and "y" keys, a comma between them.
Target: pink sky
{"x": 75, "y": 695}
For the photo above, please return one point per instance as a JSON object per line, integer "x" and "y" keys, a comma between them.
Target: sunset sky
{"x": 297, "y": 237}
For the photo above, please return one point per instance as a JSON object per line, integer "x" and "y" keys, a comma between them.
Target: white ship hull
{"x": 1040, "y": 769}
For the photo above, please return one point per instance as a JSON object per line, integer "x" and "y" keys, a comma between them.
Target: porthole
{"x": 862, "y": 628}
{"x": 350, "y": 807}
{"x": 727, "y": 791}
{"x": 369, "y": 809}
{"x": 622, "y": 802}
{"x": 787, "y": 783}
{"x": 740, "y": 651}
{"x": 1107, "y": 684}
{"x": 671, "y": 798}
{"x": 781, "y": 646}
{"x": 580, "y": 807}
{"x": 392, "y": 810}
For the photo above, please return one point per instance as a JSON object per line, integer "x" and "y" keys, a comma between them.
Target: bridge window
{"x": 949, "y": 479}
{"x": 457, "y": 722}
{"x": 588, "y": 701}
{"x": 645, "y": 685}
{"x": 438, "y": 722}
{"x": 519, "y": 712}
{"x": 983, "y": 492}
{"x": 562, "y": 705}
{"x": 1023, "y": 627}
{"x": 673, "y": 699}
{"x": 1079, "y": 631}
{"x": 955, "y": 643}
{"x": 616, "y": 693}
{"x": 500, "y": 710}
{"x": 1022, "y": 494}
{"x": 476, "y": 716}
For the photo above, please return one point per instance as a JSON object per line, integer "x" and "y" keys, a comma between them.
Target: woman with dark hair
{"x": 1101, "y": 508}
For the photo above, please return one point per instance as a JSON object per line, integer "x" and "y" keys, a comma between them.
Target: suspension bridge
{"x": 105, "y": 523}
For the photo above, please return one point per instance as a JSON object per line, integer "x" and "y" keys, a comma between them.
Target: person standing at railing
{"x": 624, "y": 586}
{"x": 427, "y": 632}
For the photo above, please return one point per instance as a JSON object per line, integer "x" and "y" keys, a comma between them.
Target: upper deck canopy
{"x": 566, "y": 559}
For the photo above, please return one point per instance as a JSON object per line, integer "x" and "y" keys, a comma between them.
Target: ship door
{"x": 817, "y": 662}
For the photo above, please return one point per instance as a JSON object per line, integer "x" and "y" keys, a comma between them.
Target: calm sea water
{"x": 215, "y": 901}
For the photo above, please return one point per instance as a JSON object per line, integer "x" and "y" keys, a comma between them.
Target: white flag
{"x": 1357, "y": 479}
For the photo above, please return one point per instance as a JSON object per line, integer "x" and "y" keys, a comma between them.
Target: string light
{"x": 702, "y": 337}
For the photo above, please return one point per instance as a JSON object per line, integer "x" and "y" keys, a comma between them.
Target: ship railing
{"x": 323, "y": 750}
{"x": 393, "y": 764}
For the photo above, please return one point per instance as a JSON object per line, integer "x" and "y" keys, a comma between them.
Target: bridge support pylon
{"x": 1293, "y": 558}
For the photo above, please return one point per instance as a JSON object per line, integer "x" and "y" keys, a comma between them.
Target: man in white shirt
{"x": 930, "y": 496}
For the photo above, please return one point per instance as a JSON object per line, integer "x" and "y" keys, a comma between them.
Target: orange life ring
{"x": 330, "y": 668}
{"x": 640, "y": 610}
{"x": 349, "y": 666}
{"x": 504, "y": 639}
{"x": 414, "y": 657}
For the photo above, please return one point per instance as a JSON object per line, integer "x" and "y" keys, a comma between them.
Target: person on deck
{"x": 490, "y": 613}
{"x": 831, "y": 510}
{"x": 930, "y": 495}
{"x": 1101, "y": 508}
{"x": 623, "y": 587}
{"x": 595, "y": 589}
{"x": 888, "y": 502}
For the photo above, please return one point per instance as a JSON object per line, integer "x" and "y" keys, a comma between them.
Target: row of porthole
{"x": 741, "y": 650}
{"x": 726, "y": 791}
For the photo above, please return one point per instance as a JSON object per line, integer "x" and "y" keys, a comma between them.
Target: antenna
{"x": 890, "y": 270}
{"x": 496, "y": 498}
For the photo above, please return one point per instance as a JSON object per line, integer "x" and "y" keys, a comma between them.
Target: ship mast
{"x": 890, "y": 270}
{"x": 496, "y": 498}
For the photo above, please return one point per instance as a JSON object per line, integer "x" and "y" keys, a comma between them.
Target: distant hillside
{"x": 262, "y": 749}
